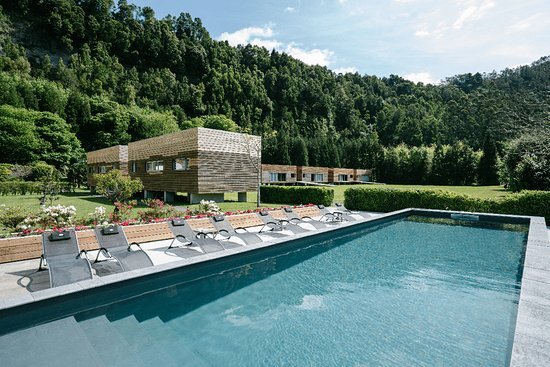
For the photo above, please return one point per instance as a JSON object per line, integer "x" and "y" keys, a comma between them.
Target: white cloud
{"x": 289, "y": 9}
{"x": 475, "y": 10}
{"x": 403, "y": 1}
{"x": 263, "y": 37}
{"x": 342, "y": 2}
{"x": 349, "y": 69}
{"x": 244, "y": 36}
{"x": 525, "y": 23}
{"x": 312, "y": 57}
{"x": 423, "y": 77}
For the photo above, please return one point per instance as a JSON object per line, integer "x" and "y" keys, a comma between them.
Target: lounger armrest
{"x": 224, "y": 233}
{"x": 105, "y": 251}
{"x": 243, "y": 228}
{"x": 298, "y": 220}
{"x": 307, "y": 217}
{"x": 134, "y": 244}
{"x": 181, "y": 239}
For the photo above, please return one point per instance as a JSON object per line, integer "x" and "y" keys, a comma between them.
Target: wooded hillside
{"x": 115, "y": 73}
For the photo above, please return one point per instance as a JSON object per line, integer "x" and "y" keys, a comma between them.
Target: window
{"x": 134, "y": 166}
{"x": 180, "y": 164}
{"x": 350, "y": 176}
{"x": 90, "y": 169}
{"x": 303, "y": 175}
{"x": 277, "y": 177}
{"x": 155, "y": 166}
{"x": 102, "y": 169}
{"x": 292, "y": 175}
{"x": 342, "y": 178}
{"x": 316, "y": 177}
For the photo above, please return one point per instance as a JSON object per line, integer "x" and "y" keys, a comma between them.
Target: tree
{"x": 298, "y": 152}
{"x": 253, "y": 149}
{"x": 116, "y": 187}
{"x": 487, "y": 169}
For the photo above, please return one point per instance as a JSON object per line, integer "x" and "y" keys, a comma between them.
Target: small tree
{"x": 116, "y": 187}
{"x": 487, "y": 169}
{"x": 253, "y": 149}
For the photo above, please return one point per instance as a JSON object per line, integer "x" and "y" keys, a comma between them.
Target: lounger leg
{"x": 43, "y": 264}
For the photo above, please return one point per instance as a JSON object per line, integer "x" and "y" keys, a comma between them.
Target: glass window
{"x": 102, "y": 169}
{"x": 155, "y": 166}
{"x": 317, "y": 177}
{"x": 292, "y": 175}
{"x": 281, "y": 176}
{"x": 180, "y": 164}
{"x": 134, "y": 166}
{"x": 342, "y": 177}
{"x": 272, "y": 176}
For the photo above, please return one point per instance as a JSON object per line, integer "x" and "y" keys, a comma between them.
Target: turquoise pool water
{"x": 400, "y": 294}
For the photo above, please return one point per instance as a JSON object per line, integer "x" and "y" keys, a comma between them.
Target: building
{"x": 204, "y": 163}
{"x": 283, "y": 174}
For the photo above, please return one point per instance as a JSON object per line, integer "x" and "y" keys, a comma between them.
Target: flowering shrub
{"x": 122, "y": 212}
{"x": 157, "y": 209}
{"x": 55, "y": 216}
{"x": 208, "y": 207}
{"x": 99, "y": 216}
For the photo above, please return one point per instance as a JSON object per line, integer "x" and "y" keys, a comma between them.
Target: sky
{"x": 421, "y": 40}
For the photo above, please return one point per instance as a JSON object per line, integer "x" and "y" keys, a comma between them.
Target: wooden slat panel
{"x": 199, "y": 224}
{"x": 20, "y": 248}
{"x": 245, "y": 220}
{"x": 309, "y": 211}
{"x": 278, "y": 214}
{"x": 87, "y": 240}
{"x": 148, "y": 232}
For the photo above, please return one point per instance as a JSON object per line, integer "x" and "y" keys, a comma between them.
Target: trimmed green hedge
{"x": 536, "y": 203}
{"x": 297, "y": 195}
{"x": 29, "y": 187}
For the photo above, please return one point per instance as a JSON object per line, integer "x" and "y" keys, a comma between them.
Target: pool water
{"x": 402, "y": 293}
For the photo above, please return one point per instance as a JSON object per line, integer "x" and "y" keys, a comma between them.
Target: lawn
{"x": 488, "y": 192}
{"x": 86, "y": 202}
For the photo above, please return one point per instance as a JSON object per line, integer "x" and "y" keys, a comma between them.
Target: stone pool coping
{"x": 531, "y": 346}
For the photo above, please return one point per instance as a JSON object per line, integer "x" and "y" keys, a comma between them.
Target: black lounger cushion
{"x": 60, "y": 236}
{"x": 178, "y": 222}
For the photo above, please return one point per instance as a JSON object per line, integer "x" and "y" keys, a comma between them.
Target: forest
{"x": 80, "y": 75}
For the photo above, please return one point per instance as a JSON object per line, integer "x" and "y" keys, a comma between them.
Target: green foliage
{"x": 488, "y": 163}
{"x": 126, "y": 75}
{"x": 29, "y": 136}
{"x": 536, "y": 203}
{"x": 527, "y": 162}
{"x": 116, "y": 187}
{"x": 11, "y": 216}
{"x": 297, "y": 195}
{"x": 217, "y": 122}
{"x": 5, "y": 171}
{"x": 30, "y": 188}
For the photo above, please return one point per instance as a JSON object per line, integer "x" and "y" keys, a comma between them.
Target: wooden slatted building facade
{"x": 204, "y": 163}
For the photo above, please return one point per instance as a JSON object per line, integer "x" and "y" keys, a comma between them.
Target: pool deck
{"x": 21, "y": 283}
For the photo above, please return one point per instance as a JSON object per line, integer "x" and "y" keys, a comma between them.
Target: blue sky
{"x": 422, "y": 40}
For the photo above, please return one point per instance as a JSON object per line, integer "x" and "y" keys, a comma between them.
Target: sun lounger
{"x": 279, "y": 225}
{"x": 120, "y": 255}
{"x": 345, "y": 210}
{"x": 226, "y": 230}
{"x": 186, "y": 241}
{"x": 63, "y": 258}
{"x": 294, "y": 216}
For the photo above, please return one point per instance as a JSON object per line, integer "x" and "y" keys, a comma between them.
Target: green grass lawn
{"x": 86, "y": 202}
{"x": 489, "y": 192}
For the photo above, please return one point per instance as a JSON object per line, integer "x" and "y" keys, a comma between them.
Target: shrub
{"x": 297, "y": 195}
{"x": 536, "y": 203}
{"x": 156, "y": 209}
{"x": 10, "y": 217}
{"x": 56, "y": 216}
{"x": 117, "y": 187}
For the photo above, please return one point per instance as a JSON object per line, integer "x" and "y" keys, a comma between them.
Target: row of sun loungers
{"x": 68, "y": 264}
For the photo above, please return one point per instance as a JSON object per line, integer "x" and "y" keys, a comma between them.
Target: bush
{"x": 26, "y": 187}
{"x": 117, "y": 187}
{"x": 10, "y": 217}
{"x": 297, "y": 195}
{"x": 536, "y": 203}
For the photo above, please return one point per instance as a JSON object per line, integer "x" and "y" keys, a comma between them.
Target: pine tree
{"x": 487, "y": 170}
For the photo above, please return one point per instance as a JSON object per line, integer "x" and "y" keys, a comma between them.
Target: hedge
{"x": 29, "y": 187}
{"x": 297, "y": 195}
{"x": 535, "y": 203}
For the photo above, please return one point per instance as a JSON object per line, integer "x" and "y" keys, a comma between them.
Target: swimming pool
{"x": 405, "y": 292}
